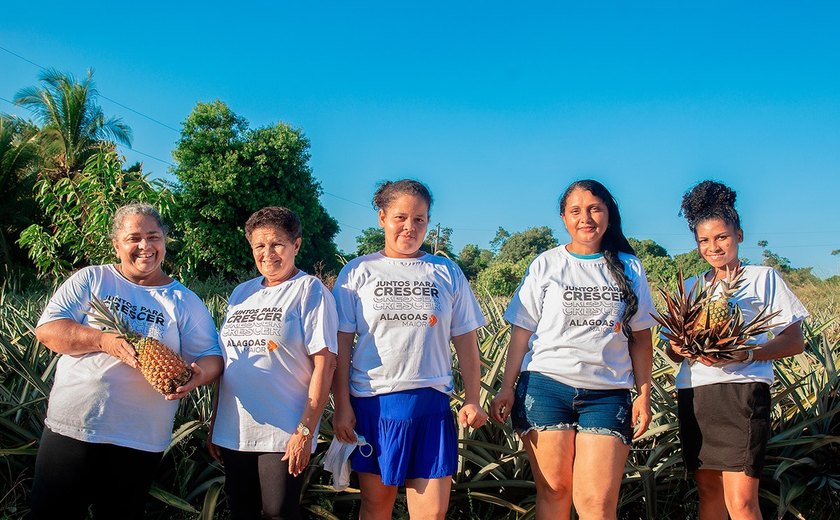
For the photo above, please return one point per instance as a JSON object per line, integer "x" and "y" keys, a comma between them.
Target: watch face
{"x": 303, "y": 430}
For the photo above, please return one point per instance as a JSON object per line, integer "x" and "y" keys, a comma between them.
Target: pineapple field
{"x": 494, "y": 481}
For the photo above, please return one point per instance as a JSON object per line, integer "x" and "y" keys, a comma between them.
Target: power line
{"x": 150, "y": 118}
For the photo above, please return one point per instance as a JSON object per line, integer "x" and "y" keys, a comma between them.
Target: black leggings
{"x": 258, "y": 485}
{"x": 70, "y": 475}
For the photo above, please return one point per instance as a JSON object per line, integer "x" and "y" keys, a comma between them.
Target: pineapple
{"x": 717, "y": 311}
{"x": 163, "y": 369}
{"x": 704, "y": 325}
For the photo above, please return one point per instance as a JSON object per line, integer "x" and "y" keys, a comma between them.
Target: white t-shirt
{"x": 267, "y": 338}
{"x": 405, "y": 311}
{"x": 762, "y": 286}
{"x": 573, "y": 307}
{"x": 96, "y": 397}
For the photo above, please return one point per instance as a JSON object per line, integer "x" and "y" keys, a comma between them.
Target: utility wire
{"x": 150, "y": 118}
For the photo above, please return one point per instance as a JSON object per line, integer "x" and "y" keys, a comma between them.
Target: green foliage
{"x": 439, "y": 245}
{"x": 370, "y": 241}
{"x": 525, "y": 245}
{"x": 473, "y": 260}
{"x": 73, "y": 124}
{"x": 228, "y": 171}
{"x": 501, "y": 278}
{"x": 793, "y": 275}
{"x": 18, "y": 157}
{"x": 78, "y": 210}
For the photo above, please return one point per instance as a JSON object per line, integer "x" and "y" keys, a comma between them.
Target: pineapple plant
{"x": 705, "y": 325}
{"x": 161, "y": 367}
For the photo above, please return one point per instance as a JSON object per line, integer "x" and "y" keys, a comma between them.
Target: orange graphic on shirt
{"x": 271, "y": 346}
{"x": 432, "y": 320}
{"x": 617, "y": 327}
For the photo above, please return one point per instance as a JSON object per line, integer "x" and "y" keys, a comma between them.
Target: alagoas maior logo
{"x": 596, "y": 308}
{"x": 250, "y": 329}
{"x": 407, "y": 303}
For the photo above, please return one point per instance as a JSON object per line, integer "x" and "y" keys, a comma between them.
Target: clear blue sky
{"x": 497, "y": 106}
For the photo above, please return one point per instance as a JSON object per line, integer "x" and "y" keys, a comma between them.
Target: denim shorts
{"x": 542, "y": 403}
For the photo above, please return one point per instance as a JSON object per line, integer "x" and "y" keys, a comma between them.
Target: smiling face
{"x": 274, "y": 253}
{"x": 718, "y": 242}
{"x": 404, "y": 222}
{"x": 140, "y": 244}
{"x": 586, "y": 218}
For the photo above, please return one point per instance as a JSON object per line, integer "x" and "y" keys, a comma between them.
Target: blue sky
{"x": 496, "y": 106}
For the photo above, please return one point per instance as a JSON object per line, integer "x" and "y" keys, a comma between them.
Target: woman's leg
{"x": 280, "y": 491}
{"x": 377, "y": 498}
{"x": 740, "y": 492}
{"x": 428, "y": 499}
{"x": 122, "y": 478}
{"x": 62, "y": 481}
{"x": 552, "y": 455}
{"x": 242, "y": 484}
{"x": 598, "y": 468}
{"x": 710, "y": 490}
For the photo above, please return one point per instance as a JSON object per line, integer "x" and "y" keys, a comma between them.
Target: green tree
{"x": 370, "y": 241}
{"x": 439, "y": 245}
{"x": 72, "y": 123}
{"x": 226, "y": 172}
{"x": 501, "y": 278}
{"x": 473, "y": 260}
{"x": 79, "y": 210}
{"x": 18, "y": 156}
{"x": 525, "y": 245}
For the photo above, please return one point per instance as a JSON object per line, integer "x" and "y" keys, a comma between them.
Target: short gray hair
{"x": 136, "y": 208}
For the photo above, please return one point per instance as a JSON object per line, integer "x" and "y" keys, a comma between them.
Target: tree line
{"x": 61, "y": 179}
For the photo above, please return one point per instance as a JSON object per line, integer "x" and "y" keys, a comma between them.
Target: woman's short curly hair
{"x": 135, "y": 208}
{"x": 710, "y": 200}
{"x": 274, "y": 216}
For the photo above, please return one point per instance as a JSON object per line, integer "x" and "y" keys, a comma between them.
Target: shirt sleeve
{"x": 319, "y": 318}
{"x": 779, "y": 297}
{"x": 71, "y": 300}
{"x": 346, "y": 296}
{"x": 197, "y": 330}
{"x": 525, "y": 308}
{"x": 643, "y": 319}
{"x": 466, "y": 312}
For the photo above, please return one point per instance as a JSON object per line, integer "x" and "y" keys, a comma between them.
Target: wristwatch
{"x": 304, "y": 430}
{"x": 750, "y": 356}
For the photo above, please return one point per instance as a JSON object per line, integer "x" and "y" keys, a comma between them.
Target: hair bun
{"x": 706, "y": 200}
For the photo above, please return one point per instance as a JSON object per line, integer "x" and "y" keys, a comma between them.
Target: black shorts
{"x": 725, "y": 427}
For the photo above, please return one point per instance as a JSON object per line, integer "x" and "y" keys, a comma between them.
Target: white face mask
{"x": 337, "y": 459}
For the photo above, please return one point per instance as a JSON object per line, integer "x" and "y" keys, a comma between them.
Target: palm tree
{"x": 73, "y": 124}
{"x": 18, "y": 155}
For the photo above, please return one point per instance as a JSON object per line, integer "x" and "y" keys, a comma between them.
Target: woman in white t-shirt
{"x": 724, "y": 405}
{"x": 279, "y": 343}
{"x": 106, "y": 427}
{"x": 580, "y": 340}
{"x": 403, "y": 307}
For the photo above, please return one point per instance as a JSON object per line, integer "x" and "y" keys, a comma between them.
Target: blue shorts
{"x": 543, "y": 403}
{"x": 412, "y": 433}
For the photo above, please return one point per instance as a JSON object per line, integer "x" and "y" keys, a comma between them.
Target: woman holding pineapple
{"x": 279, "y": 343}
{"x": 580, "y": 340}
{"x": 106, "y": 426}
{"x": 724, "y": 402}
{"x": 398, "y": 310}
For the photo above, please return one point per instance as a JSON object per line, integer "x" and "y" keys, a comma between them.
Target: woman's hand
{"x": 641, "y": 415}
{"x": 118, "y": 347}
{"x": 298, "y": 451}
{"x": 344, "y": 422}
{"x": 472, "y": 415}
{"x": 501, "y": 405}
{"x": 195, "y": 380}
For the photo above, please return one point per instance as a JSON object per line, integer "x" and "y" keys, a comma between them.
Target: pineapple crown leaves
{"x": 101, "y": 313}
{"x": 687, "y": 321}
